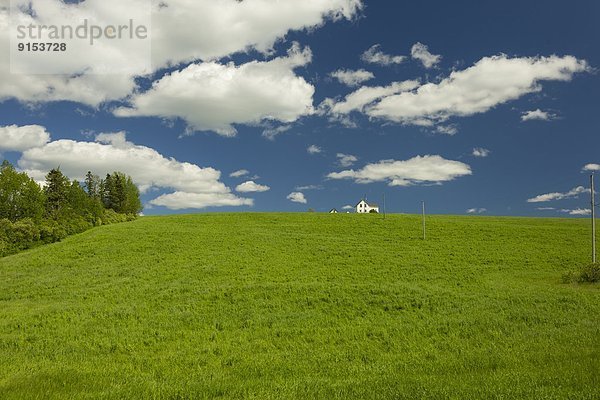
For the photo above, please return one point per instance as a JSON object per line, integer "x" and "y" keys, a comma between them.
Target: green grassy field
{"x": 276, "y": 306}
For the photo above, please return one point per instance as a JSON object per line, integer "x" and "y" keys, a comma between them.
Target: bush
{"x": 588, "y": 274}
{"x": 5, "y": 248}
{"x": 112, "y": 217}
{"x": 51, "y": 231}
{"x": 25, "y": 233}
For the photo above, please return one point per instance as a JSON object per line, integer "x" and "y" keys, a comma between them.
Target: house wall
{"x": 364, "y": 208}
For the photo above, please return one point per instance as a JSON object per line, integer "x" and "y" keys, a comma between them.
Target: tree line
{"x": 31, "y": 214}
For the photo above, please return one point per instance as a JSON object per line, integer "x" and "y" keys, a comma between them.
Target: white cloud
{"x": 450, "y": 130}
{"x": 545, "y": 208}
{"x": 361, "y": 98}
{"x": 184, "y": 201}
{"x": 490, "y": 82}
{"x": 417, "y": 170}
{"x": 577, "y": 211}
{"x": 250, "y": 187}
{"x": 213, "y": 97}
{"x": 421, "y": 52}
{"x": 352, "y": 78}
{"x": 91, "y": 87}
{"x": 476, "y": 210}
{"x": 21, "y": 138}
{"x": 272, "y": 132}
{"x": 592, "y": 167}
{"x": 309, "y": 187}
{"x": 297, "y": 197}
{"x": 239, "y": 173}
{"x": 480, "y": 152}
{"x": 314, "y": 149}
{"x": 538, "y": 115}
{"x": 348, "y": 207}
{"x": 575, "y": 192}
{"x": 213, "y": 29}
{"x": 346, "y": 160}
{"x": 375, "y": 56}
{"x": 148, "y": 168}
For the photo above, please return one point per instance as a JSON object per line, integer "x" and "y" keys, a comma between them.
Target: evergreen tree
{"x": 92, "y": 183}
{"x": 56, "y": 190}
{"x": 107, "y": 188}
{"x": 118, "y": 192}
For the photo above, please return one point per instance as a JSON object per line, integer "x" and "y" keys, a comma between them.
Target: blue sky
{"x": 497, "y": 61}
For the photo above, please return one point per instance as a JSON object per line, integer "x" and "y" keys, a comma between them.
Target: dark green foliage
{"x": 92, "y": 185}
{"x": 30, "y": 216}
{"x": 121, "y": 194}
{"x": 56, "y": 190}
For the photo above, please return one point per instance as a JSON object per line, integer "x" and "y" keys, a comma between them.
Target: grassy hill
{"x": 275, "y": 306}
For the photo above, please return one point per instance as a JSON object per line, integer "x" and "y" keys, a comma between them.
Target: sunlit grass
{"x": 273, "y": 306}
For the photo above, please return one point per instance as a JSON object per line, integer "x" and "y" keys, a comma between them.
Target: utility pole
{"x": 424, "y": 237}
{"x": 383, "y": 205}
{"x": 593, "y": 219}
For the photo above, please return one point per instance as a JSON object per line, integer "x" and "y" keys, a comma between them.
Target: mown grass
{"x": 277, "y": 306}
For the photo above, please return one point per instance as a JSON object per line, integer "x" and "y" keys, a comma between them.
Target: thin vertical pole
{"x": 424, "y": 237}
{"x": 593, "y": 219}
{"x": 384, "y": 205}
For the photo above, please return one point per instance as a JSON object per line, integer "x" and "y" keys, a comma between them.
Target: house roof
{"x": 369, "y": 204}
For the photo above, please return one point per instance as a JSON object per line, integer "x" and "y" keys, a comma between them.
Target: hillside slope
{"x": 302, "y": 306}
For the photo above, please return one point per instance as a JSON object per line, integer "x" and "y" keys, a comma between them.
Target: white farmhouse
{"x": 364, "y": 208}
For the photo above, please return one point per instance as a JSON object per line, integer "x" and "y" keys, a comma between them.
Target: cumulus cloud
{"x": 352, "y": 78}
{"x": 573, "y": 193}
{"x": 21, "y": 138}
{"x": 374, "y": 55}
{"x": 592, "y": 167}
{"x": 476, "y": 210}
{"x": 348, "y": 207}
{"x": 314, "y": 149}
{"x": 346, "y": 160}
{"x": 480, "y": 152}
{"x": 365, "y": 96}
{"x": 490, "y": 82}
{"x": 213, "y": 29}
{"x": 184, "y": 200}
{"x": 538, "y": 115}
{"x": 148, "y": 168}
{"x": 297, "y": 197}
{"x": 250, "y": 187}
{"x": 578, "y": 211}
{"x": 421, "y": 52}
{"x": 213, "y": 97}
{"x": 239, "y": 173}
{"x": 417, "y": 170}
{"x": 83, "y": 73}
